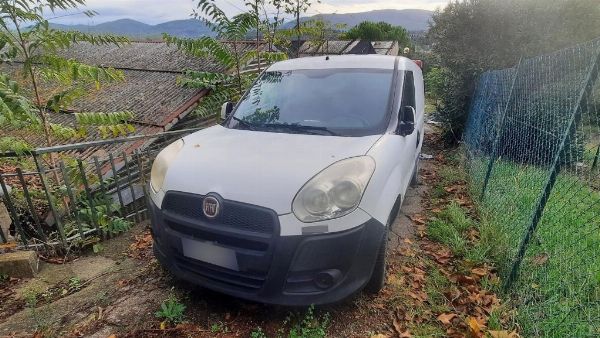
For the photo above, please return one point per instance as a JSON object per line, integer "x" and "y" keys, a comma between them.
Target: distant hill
{"x": 182, "y": 28}
{"x": 411, "y": 19}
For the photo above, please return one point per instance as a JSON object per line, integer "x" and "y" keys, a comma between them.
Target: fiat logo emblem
{"x": 211, "y": 207}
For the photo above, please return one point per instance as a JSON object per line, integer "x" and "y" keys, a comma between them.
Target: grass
{"x": 557, "y": 293}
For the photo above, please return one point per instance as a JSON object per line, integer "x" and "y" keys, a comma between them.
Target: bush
{"x": 473, "y": 36}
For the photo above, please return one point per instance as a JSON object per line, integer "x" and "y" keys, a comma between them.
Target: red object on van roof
{"x": 419, "y": 63}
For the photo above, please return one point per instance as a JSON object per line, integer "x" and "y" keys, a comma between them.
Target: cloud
{"x": 157, "y": 11}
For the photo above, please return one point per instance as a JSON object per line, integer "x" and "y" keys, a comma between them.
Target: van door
{"x": 411, "y": 142}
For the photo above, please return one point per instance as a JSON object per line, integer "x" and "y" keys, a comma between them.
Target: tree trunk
{"x": 257, "y": 36}
{"x": 298, "y": 29}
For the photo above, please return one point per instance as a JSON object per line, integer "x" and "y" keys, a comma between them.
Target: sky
{"x": 157, "y": 11}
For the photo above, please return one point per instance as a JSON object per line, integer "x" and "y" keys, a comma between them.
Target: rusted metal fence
{"x": 77, "y": 195}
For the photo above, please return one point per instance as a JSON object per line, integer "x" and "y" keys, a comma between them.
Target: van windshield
{"x": 340, "y": 102}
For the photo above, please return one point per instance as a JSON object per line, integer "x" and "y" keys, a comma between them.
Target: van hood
{"x": 260, "y": 168}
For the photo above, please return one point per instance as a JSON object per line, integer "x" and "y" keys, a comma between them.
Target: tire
{"x": 377, "y": 280}
{"x": 378, "y": 277}
{"x": 415, "y": 179}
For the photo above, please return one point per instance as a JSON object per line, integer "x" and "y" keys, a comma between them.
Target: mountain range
{"x": 411, "y": 19}
{"x": 182, "y": 28}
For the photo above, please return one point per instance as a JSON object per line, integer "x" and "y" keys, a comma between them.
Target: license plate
{"x": 210, "y": 253}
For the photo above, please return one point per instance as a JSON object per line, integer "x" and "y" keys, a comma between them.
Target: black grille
{"x": 234, "y": 214}
{"x": 248, "y": 281}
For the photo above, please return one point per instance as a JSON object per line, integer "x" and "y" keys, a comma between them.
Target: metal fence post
{"x": 34, "y": 214}
{"x": 595, "y": 164}
{"x": 584, "y": 96}
{"x": 45, "y": 186}
{"x": 91, "y": 203}
{"x": 11, "y": 209}
{"x": 500, "y": 126}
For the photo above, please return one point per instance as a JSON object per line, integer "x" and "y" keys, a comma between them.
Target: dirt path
{"x": 120, "y": 290}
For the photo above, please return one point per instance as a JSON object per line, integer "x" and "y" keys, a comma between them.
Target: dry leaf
{"x": 380, "y": 335}
{"x": 540, "y": 259}
{"x": 112, "y": 336}
{"x": 474, "y": 327}
{"x": 481, "y": 272}
{"x": 446, "y": 318}
{"x": 503, "y": 334}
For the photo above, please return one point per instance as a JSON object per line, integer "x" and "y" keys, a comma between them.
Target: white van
{"x": 290, "y": 199}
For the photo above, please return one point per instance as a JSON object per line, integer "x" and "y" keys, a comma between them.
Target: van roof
{"x": 345, "y": 61}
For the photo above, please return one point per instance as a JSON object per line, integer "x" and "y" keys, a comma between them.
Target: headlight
{"x": 335, "y": 191}
{"x": 161, "y": 164}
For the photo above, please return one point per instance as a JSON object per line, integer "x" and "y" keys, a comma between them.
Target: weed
{"x": 258, "y": 333}
{"x": 75, "y": 284}
{"x": 310, "y": 326}
{"x": 219, "y": 327}
{"x": 171, "y": 310}
{"x": 3, "y": 278}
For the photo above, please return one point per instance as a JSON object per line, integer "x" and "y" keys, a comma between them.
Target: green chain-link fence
{"x": 533, "y": 147}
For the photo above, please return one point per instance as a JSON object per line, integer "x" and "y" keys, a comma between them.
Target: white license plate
{"x": 210, "y": 253}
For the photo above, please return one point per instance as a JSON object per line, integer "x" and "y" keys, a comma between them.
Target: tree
{"x": 472, "y": 36}
{"x": 297, "y": 8}
{"x": 380, "y": 31}
{"x": 270, "y": 25}
{"x": 225, "y": 50}
{"x": 321, "y": 31}
{"x": 27, "y": 39}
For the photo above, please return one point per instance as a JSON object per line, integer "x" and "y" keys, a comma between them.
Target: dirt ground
{"x": 116, "y": 292}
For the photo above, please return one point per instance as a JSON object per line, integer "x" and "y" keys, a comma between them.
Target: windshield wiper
{"x": 301, "y": 128}
{"x": 244, "y": 123}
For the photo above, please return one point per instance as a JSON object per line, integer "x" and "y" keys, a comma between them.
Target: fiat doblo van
{"x": 289, "y": 200}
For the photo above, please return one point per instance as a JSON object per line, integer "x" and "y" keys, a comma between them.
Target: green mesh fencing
{"x": 533, "y": 147}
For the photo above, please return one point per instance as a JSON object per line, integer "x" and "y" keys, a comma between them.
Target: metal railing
{"x": 77, "y": 194}
{"x": 532, "y": 145}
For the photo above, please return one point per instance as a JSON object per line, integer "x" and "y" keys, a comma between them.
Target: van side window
{"x": 408, "y": 92}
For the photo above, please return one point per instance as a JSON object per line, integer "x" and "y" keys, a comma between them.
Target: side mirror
{"x": 226, "y": 110}
{"x": 406, "y": 123}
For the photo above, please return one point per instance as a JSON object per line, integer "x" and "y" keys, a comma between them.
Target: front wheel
{"x": 377, "y": 280}
{"x": 415, "y": 180}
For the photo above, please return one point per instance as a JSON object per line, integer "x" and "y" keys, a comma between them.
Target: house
{"x": 343, "y": 47}
{"x": 150, "y": 91}
{"x": 386, "y": 47}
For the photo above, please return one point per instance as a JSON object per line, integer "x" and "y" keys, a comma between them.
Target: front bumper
{"x": 274, "y": 269}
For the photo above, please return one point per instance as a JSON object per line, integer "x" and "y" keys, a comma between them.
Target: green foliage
{"x": 228, "y": 56}
{"x": 75, "y": 284}
{"x": 319, "y": 31}
{"x": 258, "y": 333}
{"x": 219, "y": 327}
{"x": 19, "y": 146}
{"x": 472, "y": 36}
{"x": 15, "y": 109}
{"x": 379, "y": 31}
{"x": 436, "y": 82}
{"x": 26, "y": 36}
{"x": 310, "y": 326}
{"x": 171, "y": 311}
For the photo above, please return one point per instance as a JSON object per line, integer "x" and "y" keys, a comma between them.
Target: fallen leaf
{"x": 481, "y": 272}
{"x": 446, "y": 318}
{"x": 380, "y": 335}
{"x": 540, "y": 259}
{"x": 503, "y": 334}
{"x": 474, "y": 327}
{"x": 112, "y": 336}
{"x": 163, "y": 325}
